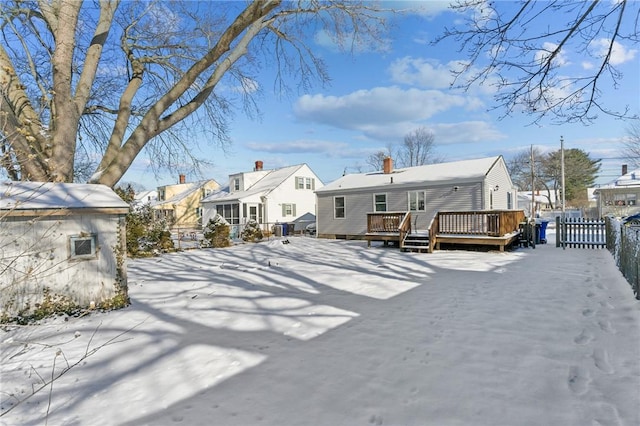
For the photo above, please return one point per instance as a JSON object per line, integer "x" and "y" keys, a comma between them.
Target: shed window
{"x": 82, "y": 246}
{"x": 380, "y": 202}
{"x": 338, "y": 207}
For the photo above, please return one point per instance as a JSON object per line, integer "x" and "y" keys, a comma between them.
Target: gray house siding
{"x": 444, "y": 196}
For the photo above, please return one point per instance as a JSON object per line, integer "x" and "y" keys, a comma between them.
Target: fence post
{"x": 558, "y": 231}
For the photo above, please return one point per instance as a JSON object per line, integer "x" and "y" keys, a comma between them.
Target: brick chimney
{"x": 624, "y": 169}
{"x": 182, "y": 178}
{"x": 387, "y": 165}
{"x": 259, "y": 165}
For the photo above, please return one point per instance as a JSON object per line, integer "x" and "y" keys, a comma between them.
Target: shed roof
{"x": 457, "y": 171}
{"x": 48, "y": 195}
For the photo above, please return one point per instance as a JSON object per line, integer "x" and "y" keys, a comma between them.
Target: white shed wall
{"x": 34, "y": 255}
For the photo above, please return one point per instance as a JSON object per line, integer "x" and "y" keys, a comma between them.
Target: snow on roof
{"x": 190, "y": 188}
{"x": 48, "y": 195}
{"x": 264, "y": 186}
{"x": 630, "y": 179}
{"x": 436, "y": 173}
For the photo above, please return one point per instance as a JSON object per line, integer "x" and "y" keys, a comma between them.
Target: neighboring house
{"x": 620, "y": 197}
{"x": 60, "y": 243}
{"x": 541, "y": 202}
{"x": 144, "y": 198}
{"x": 270, "y": 197}
{"x": 482, "y": 184}
{"x": 180, "y": 204}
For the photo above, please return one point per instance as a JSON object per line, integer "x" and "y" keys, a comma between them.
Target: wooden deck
{"x": 499, "y": 228}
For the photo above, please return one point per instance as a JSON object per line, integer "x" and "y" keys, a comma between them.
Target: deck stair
{"x": 416, "y": 241}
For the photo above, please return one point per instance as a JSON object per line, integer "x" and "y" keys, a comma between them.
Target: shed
{"x": 62, "y": 247}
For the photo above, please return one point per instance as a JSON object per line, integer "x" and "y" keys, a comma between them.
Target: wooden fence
{"x": 578, "y": 232}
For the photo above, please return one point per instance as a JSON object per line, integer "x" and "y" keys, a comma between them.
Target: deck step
{"x": 416, "y": 242}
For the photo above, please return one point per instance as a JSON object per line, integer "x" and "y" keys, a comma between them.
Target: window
{"x": 380, "y": 202}
{"x": 305, "y": 183}
{"x": 339, "y": 208}
{"x": 253, "y": 213}
{"x": 288, "y": 209}
{"x": 310, "y": 183}
{"x": 631, "y": 199}
{"x": 82, "y": 247}
{"x": 509, "y": 200}
{"x": 417, "y": 201}
{"x": 230, "y": 212}
{"x": 236, "y": 184}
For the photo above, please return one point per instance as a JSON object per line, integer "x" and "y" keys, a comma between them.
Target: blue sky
{"x": 376, "y": 98}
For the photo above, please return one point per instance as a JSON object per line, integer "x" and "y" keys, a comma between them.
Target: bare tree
{"x": 114, "y": 78}
{"x": 376, "y": 160}
{"x": 519, "y": 48}
{"x": 631, "y": 149}
{"x": 417, "y": 149}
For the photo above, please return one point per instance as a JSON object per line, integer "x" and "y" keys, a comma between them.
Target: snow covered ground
{"x": 320, "y": 332}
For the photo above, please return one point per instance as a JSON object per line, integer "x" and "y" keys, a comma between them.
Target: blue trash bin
{"x": 543, "y": 231}
{"x": 285, "y": 229}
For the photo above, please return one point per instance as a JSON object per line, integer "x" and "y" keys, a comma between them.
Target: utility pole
{"x": 563, "y": 233}
{"x": 533, "y": 184}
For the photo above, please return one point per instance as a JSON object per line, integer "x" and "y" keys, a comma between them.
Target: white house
{"x": 481, "y": 184}
{"x": 144, "y": 198}
{"x": 271, "y": 197}
{"x": 620, "y": 197}
{"x": 61, "y": 243}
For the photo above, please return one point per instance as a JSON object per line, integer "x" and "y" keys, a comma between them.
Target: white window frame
{"x": 93, "y": 241}
{"x": 309, "y": 183}
{"x": 375, "y": 202}
{"x": 417, "y": 200}
{"x": 343, "y": 208}
{"x": 299, "y": 182}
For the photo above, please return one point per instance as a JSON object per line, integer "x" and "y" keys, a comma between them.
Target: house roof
{"x": 48, "y": 195}
{"x": 457, "y": 171}
{"x": 630, "y": 179}
{"x": 190, "y": 188}
{"x": 270, "y": 181}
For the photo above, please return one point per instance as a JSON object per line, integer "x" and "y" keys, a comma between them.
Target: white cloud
{"x": 367, "y": 110}
{"x": 426, "y": 9}
{"x": 421, "y": 72}
{"x": 547, "y": 49}
{"x": 351, "y": 42}
{"x": 466, "y": 132}
{"x": 586, "y": 65}
{"x": 430, "y": 73}
{"x": 298, "y": 146}
{"x": 619, "y": 53}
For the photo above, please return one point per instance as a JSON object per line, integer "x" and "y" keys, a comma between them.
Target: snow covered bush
{"x": 145, "y": 235}
{"x": 216, "y": 233}
{"x": 251, "y": 232}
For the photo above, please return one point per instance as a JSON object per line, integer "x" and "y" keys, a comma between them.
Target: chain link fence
{"x": 623, "y": 241}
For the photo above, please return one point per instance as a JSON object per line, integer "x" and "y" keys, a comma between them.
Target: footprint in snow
{"x": 578, "y": 380}
{"x": 601, "y": 359}
{"x": 583, "y": 338}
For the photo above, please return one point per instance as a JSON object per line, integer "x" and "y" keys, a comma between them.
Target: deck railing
{"x": 385, "y": 221}
{"x": 492, "y": 223}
